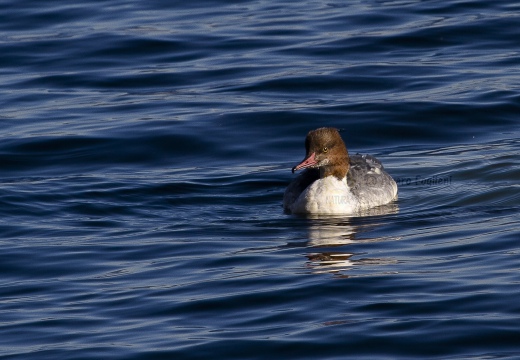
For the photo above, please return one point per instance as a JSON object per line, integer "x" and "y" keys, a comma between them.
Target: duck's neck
{"x": 338, "y": 170}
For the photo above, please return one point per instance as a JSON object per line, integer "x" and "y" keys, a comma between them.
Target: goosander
{"x": 333, "y": 182}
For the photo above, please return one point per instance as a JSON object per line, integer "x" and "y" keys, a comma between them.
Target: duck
{"x": 332, "y": 182}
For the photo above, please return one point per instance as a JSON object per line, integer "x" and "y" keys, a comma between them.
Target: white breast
{"x": 326, "y": 196}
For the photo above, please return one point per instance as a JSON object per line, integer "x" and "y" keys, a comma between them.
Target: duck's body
{"x": 333, "y": 182}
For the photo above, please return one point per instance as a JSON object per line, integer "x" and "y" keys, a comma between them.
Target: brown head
{"x": 325, "y": 150}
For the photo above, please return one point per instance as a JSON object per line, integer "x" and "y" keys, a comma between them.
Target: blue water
{"x": 145, "y": 148}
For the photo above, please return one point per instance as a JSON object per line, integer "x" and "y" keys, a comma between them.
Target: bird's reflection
{"x": 332, "y": 236}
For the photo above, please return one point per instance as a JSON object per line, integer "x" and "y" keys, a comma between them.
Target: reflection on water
{"x": 326, "y": 232}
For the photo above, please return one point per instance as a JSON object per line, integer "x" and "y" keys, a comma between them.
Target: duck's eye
{"x": 325, "y": 149}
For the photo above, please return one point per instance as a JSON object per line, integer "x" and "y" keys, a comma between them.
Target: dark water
{"x": 144, "y": 152}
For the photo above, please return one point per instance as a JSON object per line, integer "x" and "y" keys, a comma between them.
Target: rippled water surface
{"x": 145, "y": 148}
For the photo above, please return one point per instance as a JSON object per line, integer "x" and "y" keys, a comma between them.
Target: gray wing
{"x": 369, "y": 181}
